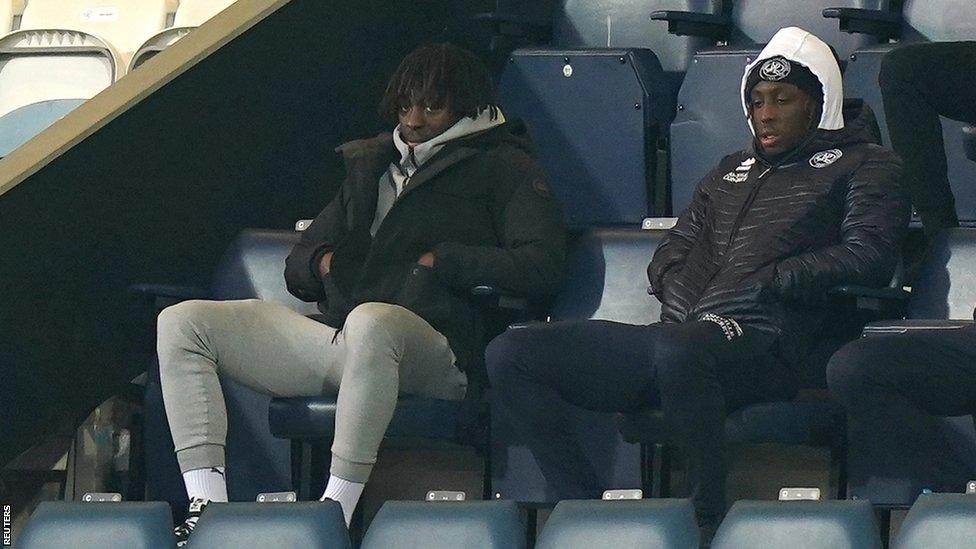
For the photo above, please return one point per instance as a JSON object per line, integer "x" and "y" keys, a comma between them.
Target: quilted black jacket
{"x": 762, "y": 242}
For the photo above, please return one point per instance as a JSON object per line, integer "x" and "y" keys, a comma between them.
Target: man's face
{"x": 420, "y": 123}
{"x": 781, "y": 114}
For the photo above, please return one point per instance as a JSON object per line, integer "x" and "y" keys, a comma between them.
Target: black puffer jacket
{"x": 761, "y": 242}
{"x": 481, "y": 205}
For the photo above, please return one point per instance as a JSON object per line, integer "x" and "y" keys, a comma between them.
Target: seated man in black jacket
{"x": 453, "y": 198}
{"x": 812, "y": 204}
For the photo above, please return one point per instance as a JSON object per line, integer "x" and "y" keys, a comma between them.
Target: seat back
{"x": 135, "y": 525}
{"x": 625, "y": 24}
{"x": 945, "y": 287}
{"x": 938, "y": 20}
{"x": 420, "y": 525}
{"x": 280, "y": 525}
{"x": 595, "y": 116}
{"x": 193, "y": 13}
{"x": 124, "y": 25}
{"x": 756, "y": 21}
{"x": 799, "y": 525}
{"x": 585, "y": 524}
{"x": 7, "y": 11}
{"x": 709, "y": 123}
{"x": 607, "y": 279}
{"x": 189, "y": 15}
{"x": 939, "y": 521}
{"x": 254, "y": 267}
{"x": 79, "y": 67}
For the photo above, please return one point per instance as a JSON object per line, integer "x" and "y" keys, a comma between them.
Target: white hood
{"x": 796, "y": 44}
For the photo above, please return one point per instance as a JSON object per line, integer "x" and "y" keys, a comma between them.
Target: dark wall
{"x": 243, "y": 139}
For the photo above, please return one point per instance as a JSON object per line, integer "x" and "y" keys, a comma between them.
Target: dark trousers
{"x": 893, "y": 388}
{"x": 919, "y": 82}
{"x": 690, "y": 371}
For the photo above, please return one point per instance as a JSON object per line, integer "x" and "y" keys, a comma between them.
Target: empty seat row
{"x": 934, "y": 522}
{"x": 66, "y": 51}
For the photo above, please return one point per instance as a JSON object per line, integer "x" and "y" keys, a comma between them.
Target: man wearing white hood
{"x": 452, "y": 199}
{"x": 812, "y": 204}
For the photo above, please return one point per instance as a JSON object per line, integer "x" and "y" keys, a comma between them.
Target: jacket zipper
{"x": 735, "y": 228}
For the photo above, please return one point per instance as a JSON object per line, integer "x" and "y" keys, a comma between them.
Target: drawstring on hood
{"x": 800, "y": 46}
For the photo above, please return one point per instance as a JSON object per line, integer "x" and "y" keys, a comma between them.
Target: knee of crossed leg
{"x": 850, "y": 369}
{"x": 504, "y": 354}
{"x": 376, "y": 325}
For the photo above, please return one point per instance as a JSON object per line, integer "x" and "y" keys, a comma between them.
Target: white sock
{"x": 208, "y": 484}
{"x": 346, "y": 492}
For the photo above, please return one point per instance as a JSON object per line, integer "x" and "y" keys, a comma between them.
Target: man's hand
{"x": 427, "y": 260}
{"x": 325, "y": 265}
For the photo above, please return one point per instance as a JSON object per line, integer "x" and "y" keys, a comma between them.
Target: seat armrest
{"x": 884, "y": 25}
{"x": 890, "y": 327}
{"x": 889, "y": 302}
{"x": 526, "y": 324}
{"x": 718, "y": 27}
{"x": 496, "y": 298}
{"x": 897, "y": 295}
{"x": 170, "y": 291}
{"x": 156, "y": 297}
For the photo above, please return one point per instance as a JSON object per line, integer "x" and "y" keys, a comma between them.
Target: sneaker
{"x": 183, "y": 531}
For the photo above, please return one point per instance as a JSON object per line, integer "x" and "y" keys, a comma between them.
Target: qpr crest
{"x": 775, "y": 69}
{"x": 825, "y": 158}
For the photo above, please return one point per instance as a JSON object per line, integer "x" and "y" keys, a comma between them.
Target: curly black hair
{"x": 435, "y": 74}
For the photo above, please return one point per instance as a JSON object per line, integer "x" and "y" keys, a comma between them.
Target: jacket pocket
{"x": 335, "y": 302}
{"x": 423, "y": 294}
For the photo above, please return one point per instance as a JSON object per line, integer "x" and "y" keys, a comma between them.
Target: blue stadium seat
{"x": 709, "y": 123}
{"x": 799, "y": 525}
{"x": 136, "y": 525}
{"x": 586, "y": 524}
{"x": 945, "y": 287}
{"x": 607, "y": 280}
{"x": 599, "y": 98}
{"x": 919, "y": 21}
{"x": 939, "y": 521}
{"x": 279, "y": 525}
{"x": 943, "y": 296}
{"x": 595, "y": 115}
{"x": 304, "y": 420}
{"x": 625, "y": 24}
{"x": 422, "y": 525}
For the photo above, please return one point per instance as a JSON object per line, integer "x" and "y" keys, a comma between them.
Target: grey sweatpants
{"x": 382, "y": 351}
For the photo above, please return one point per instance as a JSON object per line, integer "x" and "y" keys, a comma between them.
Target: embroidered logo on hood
{"x": 825, "y": 158}
{"x": 775, "y": 70}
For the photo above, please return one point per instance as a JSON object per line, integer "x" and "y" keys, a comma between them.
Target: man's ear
{"x": 813, "y": 110}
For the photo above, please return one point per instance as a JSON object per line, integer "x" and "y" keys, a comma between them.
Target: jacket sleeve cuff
{"x": 446, "y": 264}
{"x": 316, "y": 260}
